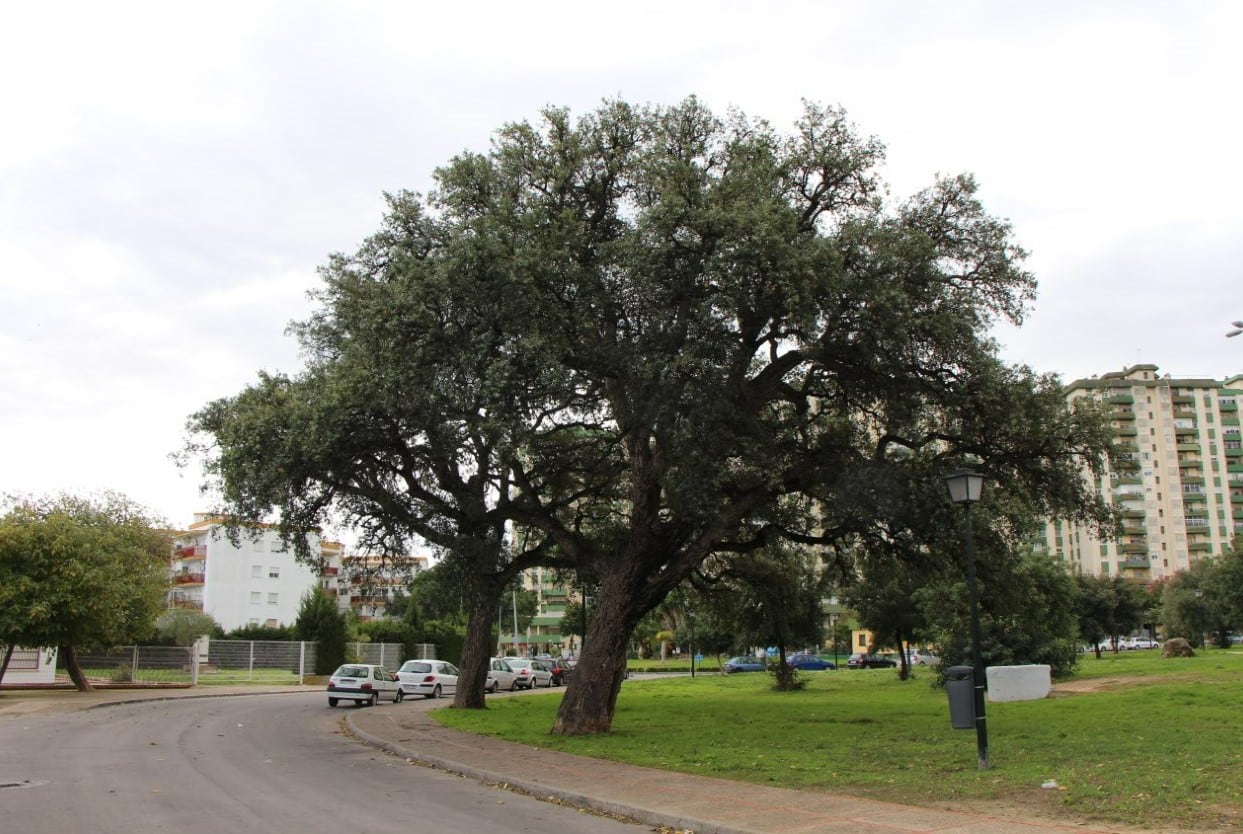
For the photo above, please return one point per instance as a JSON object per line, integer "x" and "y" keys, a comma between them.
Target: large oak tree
{"x": 622, "y": 343}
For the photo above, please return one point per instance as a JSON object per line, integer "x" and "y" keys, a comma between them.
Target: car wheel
{"x": 332, "y": 702}
{"x": 374, "y": 699}
{"x": 513, "y": 687}
{"x": 397, "y": 699}
{"x": 435, "y": 692}
{"x": 494, "y": 687}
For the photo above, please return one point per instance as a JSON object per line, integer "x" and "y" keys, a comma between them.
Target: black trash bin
{"x": 960, "y": 685}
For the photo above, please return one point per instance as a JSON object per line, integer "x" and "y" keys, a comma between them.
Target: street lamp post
{"x": 690, "y": 617}
{"x": 833, "y": 626}
{"x": 965, "y": 487}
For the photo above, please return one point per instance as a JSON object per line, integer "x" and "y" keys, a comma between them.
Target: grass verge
{"x": 1136, "y": 739}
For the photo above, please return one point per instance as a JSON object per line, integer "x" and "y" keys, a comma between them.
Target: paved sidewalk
{"x": 655, "y": 797}
{"x": 693, "y": 803}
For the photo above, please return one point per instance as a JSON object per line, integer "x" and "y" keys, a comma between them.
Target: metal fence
{"x": 229, "y": 661}
{"x": 139, "y": 664}
{"x": 249, "y": 661}
{"x": 272, "y": 661}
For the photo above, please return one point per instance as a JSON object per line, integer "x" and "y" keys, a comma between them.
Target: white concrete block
{"x": 1019, "y": 683}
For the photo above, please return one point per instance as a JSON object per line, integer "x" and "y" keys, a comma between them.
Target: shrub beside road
{"x": 1136, "y": 739}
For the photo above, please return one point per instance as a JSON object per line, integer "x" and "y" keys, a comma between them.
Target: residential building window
{"x": 273, "y": 599}
{"x": 274, "y": 572}
{"x": 254, "y": 621}
{"x": 256, "y": 571}
{"x": 255, "y": 597}
{"x": 272, "y": 623}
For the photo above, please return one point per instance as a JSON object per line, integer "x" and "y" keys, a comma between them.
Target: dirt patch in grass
{"x": 1089, "y": 685}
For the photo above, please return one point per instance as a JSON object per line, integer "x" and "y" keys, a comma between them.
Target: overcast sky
{"x": 171, "y": 174}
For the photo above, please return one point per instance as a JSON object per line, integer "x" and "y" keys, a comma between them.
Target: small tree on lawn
{"x": 80, "y": 573}
{"x": 320, "y": 620}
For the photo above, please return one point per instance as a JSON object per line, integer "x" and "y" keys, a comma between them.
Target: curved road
{"x": 249, "y": 763}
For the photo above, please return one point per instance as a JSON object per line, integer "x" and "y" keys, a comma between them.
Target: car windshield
{"x": 353, "y": 672}
{"x": 518, "y": 664}
{"x": 415, "y": 666}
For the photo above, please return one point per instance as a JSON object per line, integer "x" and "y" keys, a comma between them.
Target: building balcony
{"x": 191, "y": 551}
{"x": 1233, "y": 453}
{"x": 1135, "y": 563}
{"x": 187, "y": 603}
{"x": 330, "y": 571}
{"x": 1134, "y": 547}
{"x": 1120, "y": 399}
{"x": 1198, "y": 497}
{"x": 1200, "y": 546}
{"x": 189, "y": 578}
{"x": 1224, "y": 406}
{"x": 1184, "y": 414}
{"x": 1127, "y": 430}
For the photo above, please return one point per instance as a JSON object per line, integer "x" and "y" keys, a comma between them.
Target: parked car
{"x": 742, "y": 664}
{"x": 531, "y": 673}
{"x": 560, "y": 671}
{"x": 429, "y": 678}
{"x": 500, "y": 676}
{"x": 809, "y": 662}
{"x": 923, "y": 658}
{"x": 859, "y": 660}
{"x": 1140, "y": 643}
{"x": 363, "y": 683}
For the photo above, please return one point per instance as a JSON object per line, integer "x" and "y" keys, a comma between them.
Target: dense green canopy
{"x": 80, "y": 573}
{"x": 620, "y": 343}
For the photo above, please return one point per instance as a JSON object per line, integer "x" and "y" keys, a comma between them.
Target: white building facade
{"x": 256, "y": 581}
{"x": 1179, "y": 483}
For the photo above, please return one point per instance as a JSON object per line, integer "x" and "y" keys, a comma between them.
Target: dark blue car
{"x": 809, "y": 662}
{"x": 743, "y": 664}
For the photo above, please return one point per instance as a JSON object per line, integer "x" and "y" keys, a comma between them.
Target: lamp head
{"x": 965, "y": 486}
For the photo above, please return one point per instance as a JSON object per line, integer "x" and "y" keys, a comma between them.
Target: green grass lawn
{"x": 1154, "y": 742}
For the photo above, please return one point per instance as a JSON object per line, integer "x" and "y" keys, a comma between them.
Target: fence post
{"x": 133, "y": 673}
{"x": 194, "y": 663}
{"x": 301, "y": 662}
{"x": 250, "y": 669}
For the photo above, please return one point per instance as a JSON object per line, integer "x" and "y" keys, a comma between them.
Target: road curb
{"x": 638, "y": 814}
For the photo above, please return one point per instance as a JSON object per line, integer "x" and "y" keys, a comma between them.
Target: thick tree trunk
{"x": 4, "y": 665}
{"x": 476, "y": 657}
{"x": 70, "y": 659}
{"x": 591, "y": 697}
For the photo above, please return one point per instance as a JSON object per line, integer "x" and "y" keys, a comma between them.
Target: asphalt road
{"x": 250, "y": 763}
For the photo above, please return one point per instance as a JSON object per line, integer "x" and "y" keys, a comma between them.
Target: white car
{"x": 1140, "y": 643}
{"x": 531, "y": 673}
{"x": 923, "y": 658}
{"x": 500, "y": 676}
{"x": 363, "y": 683}
{"x": 429, "y": 678}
